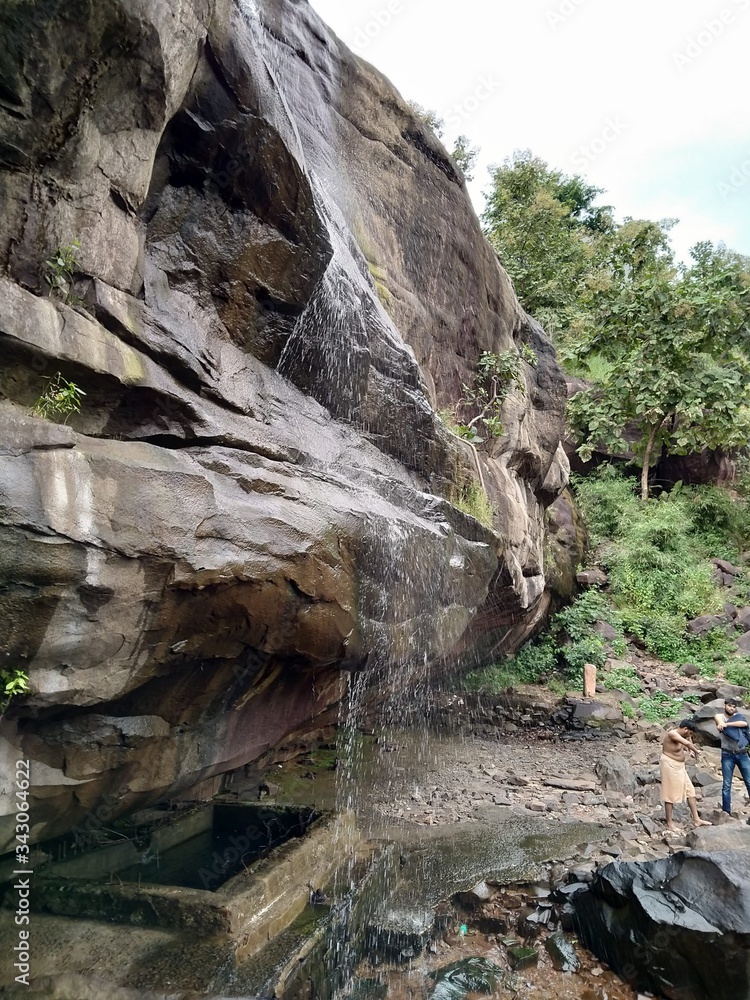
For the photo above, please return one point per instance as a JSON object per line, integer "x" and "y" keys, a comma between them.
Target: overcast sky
{"x": 648, "y": 99}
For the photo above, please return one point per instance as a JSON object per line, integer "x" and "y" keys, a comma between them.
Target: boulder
{"x": 616, "y": 774}
{"x": 595, "y": 713}
{"x": 742, "y": 618}
{"x": 705, "y": 623}
{"x": 562, "y": 952}
{"x": 592, "y": 578}
{"x": 730, "y": 837}
{"x": 704, "y": 720}
{"x": 727, "y": 567}
{"x": 671, "y": 926}
{"x": 742, "y": 644}
{"x": 606, "y": 631}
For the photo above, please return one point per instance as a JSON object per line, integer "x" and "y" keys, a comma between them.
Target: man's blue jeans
{"x": 728, "y": 763}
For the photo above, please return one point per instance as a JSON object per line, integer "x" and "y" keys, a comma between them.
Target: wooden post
{"x": 589, "y": 680}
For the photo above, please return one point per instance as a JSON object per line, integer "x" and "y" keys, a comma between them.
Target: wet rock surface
{"x": 279, "y": 280}
{"x": 671, "y": 926}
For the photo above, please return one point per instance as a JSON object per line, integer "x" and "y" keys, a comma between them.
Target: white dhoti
{"x": 676, "y": 786}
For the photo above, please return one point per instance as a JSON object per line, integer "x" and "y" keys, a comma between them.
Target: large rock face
{"x": 677, "y": 927}
{"x": 279, "y": 280}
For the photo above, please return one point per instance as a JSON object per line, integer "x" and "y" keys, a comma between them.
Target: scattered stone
{"x": 592, "y": 577}
{"x": 562, "y": 953}
{"x": 571, "y": 784}
{"x": 704, "y": 780}
{"x": 616, "y": 774}
{"x": 742, "y": 618}
{"x": 520, "y": 957}
{"x": 727, "y": 567}
{"x": 649, "y": 826}
{"x": 593, "y": 712}
{"x": 704, "y": 623}
{"x": 606, "y": 631}
{"x": 567, "y": 893}
{"x": 734, "y": 837}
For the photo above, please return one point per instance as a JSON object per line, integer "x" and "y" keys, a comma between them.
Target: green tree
{"x": 430, "y": 118}
{"x": 544, "y": 227}
{"x": 465, "y": 156}
{"x": 674, "y": 339}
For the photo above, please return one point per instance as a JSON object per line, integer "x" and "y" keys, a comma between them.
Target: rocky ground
{"x": 542, "y": 757}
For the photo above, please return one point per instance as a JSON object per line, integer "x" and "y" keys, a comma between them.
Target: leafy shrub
{"x": 720, "y": 520}
{"x": 660, "y": 707}
{"x": 60, "y": 398}
{"x": 739, "y": 673}
{"x": 12, "y": 682}
{"x": 534, "y": 662}
{"x": 473, "y": 500}
{"x": 60, "y": 268}
{"x": 585, "y": 644}
{"x": 657, "y": 558}
{"x": 605, "y": 499}
{"x": 623, "y": 679}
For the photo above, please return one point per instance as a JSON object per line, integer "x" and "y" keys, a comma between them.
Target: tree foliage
{"x": 542, "y": 224}
{"x": 665, "y": 345}
{"x": 674, "y": 339}
{"x": 465, "y": 156}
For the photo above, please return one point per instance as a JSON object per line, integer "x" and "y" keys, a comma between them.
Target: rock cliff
{"x": 279, "y": 280}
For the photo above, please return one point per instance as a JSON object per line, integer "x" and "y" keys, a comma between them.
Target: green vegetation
{"x": 463, "y": 153}
{"x": 542, "y": 225}
{"x": 60, "y": 268}
{"x": 674, "y": 340}
{"x": 657, "y": 556}
{"x": 465, "y": 157}
{"x": 571, "y": 642}
{"x": 623, "y": 678}
{"x": 472, "y": 499}
{"x": 660, "y": 707}
{"x": 663, "y": 348}
{"x": 496, "y": 376}
{"x": 379, "y": 278}
{"x": 60, "y": 398}
{"x": 665, "y": 345}
{"x": 12, "y": 683}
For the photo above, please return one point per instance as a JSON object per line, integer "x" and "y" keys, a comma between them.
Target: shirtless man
{"x": 676, "y": 786}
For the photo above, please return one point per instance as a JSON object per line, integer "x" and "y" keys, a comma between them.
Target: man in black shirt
{"x": 732, "y": 726}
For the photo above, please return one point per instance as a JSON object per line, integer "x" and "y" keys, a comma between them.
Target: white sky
{"x": 671, "y": 76}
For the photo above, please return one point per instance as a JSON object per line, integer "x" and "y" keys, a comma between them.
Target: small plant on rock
{"x": 472, "y": 499}
{"x": 12, "y": 682}
{"x": 497, "y": 375}
{"x": 60, "y": 398}
{"x": 60, "y": 268}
